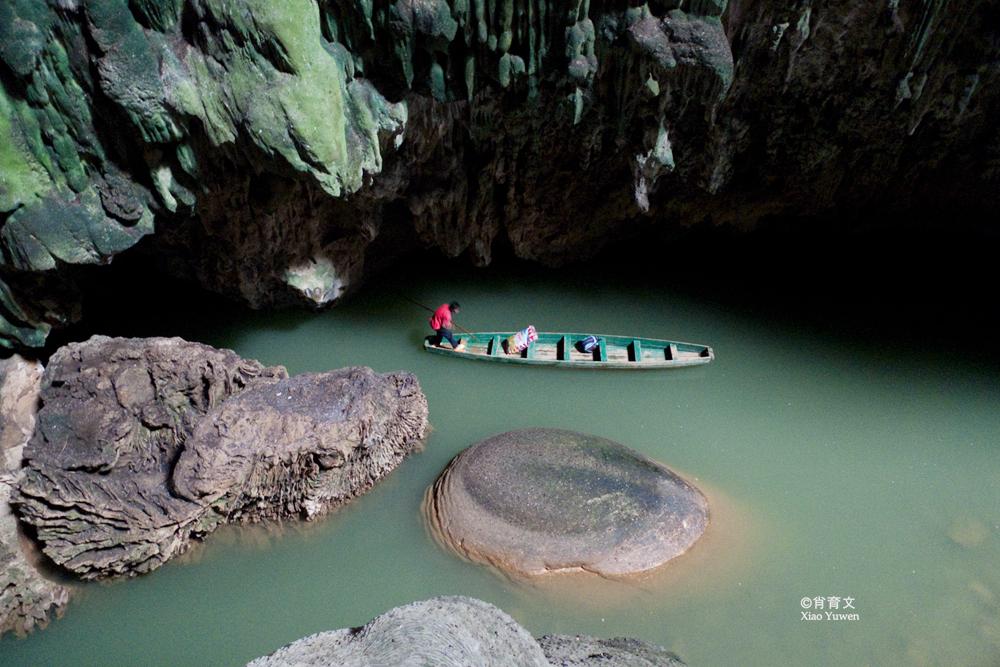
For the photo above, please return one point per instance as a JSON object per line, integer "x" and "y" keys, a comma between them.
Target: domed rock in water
{"x": 547, "y": 500}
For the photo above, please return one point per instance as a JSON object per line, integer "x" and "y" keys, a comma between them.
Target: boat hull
{"x": 559, "y": 349}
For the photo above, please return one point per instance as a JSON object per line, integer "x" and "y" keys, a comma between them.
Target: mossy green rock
{"x": 115, "y": 114}
{"x": 537, "y": 501}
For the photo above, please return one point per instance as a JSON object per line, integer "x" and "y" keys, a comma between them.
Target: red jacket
{"x": 441, "y": 319}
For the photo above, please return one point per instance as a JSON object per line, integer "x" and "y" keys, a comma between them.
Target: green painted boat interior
{"x": 559, "y": 348}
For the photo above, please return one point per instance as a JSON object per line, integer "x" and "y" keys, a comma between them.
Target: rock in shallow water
{"x": 545, "y": 500}
{"x": 458, "y": 631}
{"x": 143, "y": 444}
{"x": 115, "y": 415}
{"x": 580, "y": 651}
{"x": 302, "y": 445}
{"x": 455, "y": 631}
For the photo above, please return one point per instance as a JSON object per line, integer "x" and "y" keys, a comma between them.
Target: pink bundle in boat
{"x": 521, "y": 340}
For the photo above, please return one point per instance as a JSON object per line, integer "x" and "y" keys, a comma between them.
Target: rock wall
{"x": 27, "y": 598}
{"x": 275, "y": 150}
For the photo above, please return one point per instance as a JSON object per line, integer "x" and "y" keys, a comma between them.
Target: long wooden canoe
{"x": 559, "y": 349}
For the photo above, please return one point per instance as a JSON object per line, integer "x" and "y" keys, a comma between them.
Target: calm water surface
{"x": 840, "y": 466}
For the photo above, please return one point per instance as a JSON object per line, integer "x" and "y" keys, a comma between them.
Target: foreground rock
{"x": 580, "y": 651}
{"x": 115, "y": 415}
{"x": 301, "y": 445}
{"x": 457, "y": 631}
{"x": 27, "y": 599}
{"x": 547, "y": 500}
{"x": 143, "y": 444}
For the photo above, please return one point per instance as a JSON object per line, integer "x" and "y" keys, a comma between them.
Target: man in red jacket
{"x": 441, "y": 323}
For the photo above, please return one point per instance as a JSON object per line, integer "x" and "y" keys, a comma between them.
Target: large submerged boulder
{"x": 27, "y": 598}
{"x": 538, "y": 501}
{"x": 143, "y": 444}
{"x": 458, "y": 631}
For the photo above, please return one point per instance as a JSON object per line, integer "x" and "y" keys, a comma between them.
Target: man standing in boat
{"x": 441, "y": 323}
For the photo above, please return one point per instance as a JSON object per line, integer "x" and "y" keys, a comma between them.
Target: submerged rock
{"x": 968, "y": 532}
{"x": 546, "y": 500}
{"x": 144, "y": 444}
{"x": 457, "y": 631}
{"x": 27, "y": 599}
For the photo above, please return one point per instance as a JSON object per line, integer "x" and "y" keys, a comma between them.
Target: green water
{"x": 842, "y": 460}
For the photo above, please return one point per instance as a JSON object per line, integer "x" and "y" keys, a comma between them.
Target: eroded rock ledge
{"x": 145, "y": 444}
{"x": 27, "y": 598}
{"x": 459, "y": 631}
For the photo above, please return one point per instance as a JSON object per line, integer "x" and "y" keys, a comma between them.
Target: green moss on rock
{"x": 22, "y": 178}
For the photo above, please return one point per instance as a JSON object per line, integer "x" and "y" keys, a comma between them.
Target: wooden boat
{"x": 559, "y": 349}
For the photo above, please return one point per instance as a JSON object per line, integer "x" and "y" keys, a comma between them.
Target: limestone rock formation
{"x": 440, "y": 631}
{"x": 20, "y": 381}
{"x": 458, "y": 631}
{"x": 538, "y": 501}
{"x": 144, "y": 444}
{"x": 27, "y": 599}
{"x": 115, "y": 415}
{"x": 582, "y": 651}
{"x": 300, "y": 446}
{"x": 275, "y": 151}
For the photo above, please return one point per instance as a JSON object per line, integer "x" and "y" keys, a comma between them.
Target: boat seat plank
{"x": 636, "y": 350}
{"x": 672, "y": 353}
{"x": 567, "y": 349}
{"x": 495, "y": 346}
{"x": 603, "y": 351}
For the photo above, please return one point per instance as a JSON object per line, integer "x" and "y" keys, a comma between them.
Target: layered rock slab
{"x": 115, "y": 415}
{"x": 145, "y": 444}
{"x": 537, "y": 501}
{"x": 302, "y": 445}
{"x": 458, "y": 631}
{"x": 27, "y": 598}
